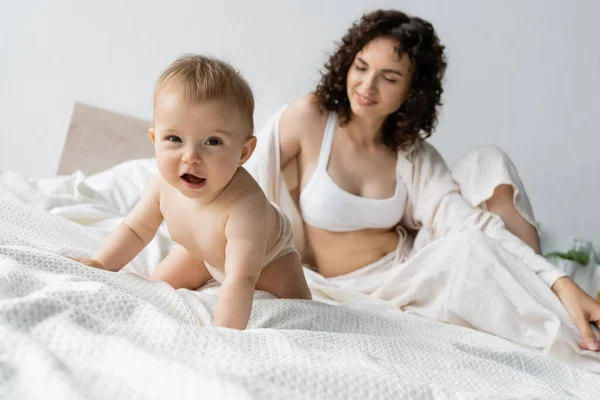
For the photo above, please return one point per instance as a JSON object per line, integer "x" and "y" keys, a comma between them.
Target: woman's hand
{"x": 583, "y": 311}
{"x": 89, "y": 262}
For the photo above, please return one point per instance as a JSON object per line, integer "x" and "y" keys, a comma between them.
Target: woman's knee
{"x": 483, "y": 170}
{"x": 489, "y": 153}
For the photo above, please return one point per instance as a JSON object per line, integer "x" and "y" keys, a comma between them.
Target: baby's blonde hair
{"x": 201, "y": 78}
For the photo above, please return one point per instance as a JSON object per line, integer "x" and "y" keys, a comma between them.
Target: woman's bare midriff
{"x": 339, "y": 253}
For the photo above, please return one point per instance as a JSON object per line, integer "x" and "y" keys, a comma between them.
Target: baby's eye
{"x": 174, "y": 139}
{"x": 213, "y": 141}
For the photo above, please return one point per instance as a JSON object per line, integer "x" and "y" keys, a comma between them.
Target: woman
{"x": 366, "y": 178}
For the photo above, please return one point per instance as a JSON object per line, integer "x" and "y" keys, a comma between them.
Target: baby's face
{"x": 199, "y": 146}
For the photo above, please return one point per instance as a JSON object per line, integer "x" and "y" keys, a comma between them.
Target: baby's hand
{"x": 88, "y": 261}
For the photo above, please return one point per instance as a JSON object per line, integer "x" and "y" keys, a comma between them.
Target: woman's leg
{"x": 501, "y": 203}
{"x": 488, "y": 179}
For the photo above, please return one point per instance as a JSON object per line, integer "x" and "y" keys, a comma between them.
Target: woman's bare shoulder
{"x": 303, "y": 116}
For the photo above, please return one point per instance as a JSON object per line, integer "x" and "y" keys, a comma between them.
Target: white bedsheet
{"x": 71, "y": 332}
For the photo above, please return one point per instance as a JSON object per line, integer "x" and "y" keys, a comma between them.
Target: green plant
{"x": 579, "y": 257}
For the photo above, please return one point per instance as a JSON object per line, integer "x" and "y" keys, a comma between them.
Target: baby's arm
{"x": 246, "y": 231}
{"x": 134, "y": 233}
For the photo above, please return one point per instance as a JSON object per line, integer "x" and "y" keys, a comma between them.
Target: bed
{"x": 72, "y": 332}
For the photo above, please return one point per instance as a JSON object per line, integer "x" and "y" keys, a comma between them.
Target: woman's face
{"x": 379, "y": 80}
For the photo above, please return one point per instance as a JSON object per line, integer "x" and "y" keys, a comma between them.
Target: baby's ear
{"x": 151, "y": 133}
{"x": 248, "y": 149}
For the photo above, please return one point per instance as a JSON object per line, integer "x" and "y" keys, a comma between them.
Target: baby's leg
{"x": 180, "y": 270}
{"x": 284, "y": 278}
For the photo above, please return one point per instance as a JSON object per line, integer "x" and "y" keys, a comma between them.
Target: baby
{"x": 223, "y": 224}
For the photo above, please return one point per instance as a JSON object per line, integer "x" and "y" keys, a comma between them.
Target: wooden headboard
{"x": 99, "y": 139}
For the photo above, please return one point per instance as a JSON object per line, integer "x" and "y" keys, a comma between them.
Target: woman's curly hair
{"x": 416, "y": 119}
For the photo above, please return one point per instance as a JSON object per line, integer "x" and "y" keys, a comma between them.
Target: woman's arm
{"x": 300, "y": 119}
{"x": 440, "y": 208}
{"x": 437, "y": 205}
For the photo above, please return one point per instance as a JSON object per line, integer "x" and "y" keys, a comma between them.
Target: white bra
{"x": 324, "y": 205}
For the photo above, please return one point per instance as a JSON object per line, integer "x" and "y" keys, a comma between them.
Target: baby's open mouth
{"x": 192, "y": 180}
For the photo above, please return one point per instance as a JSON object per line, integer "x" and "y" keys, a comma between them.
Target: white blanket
{"x": 72, "y": 332}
